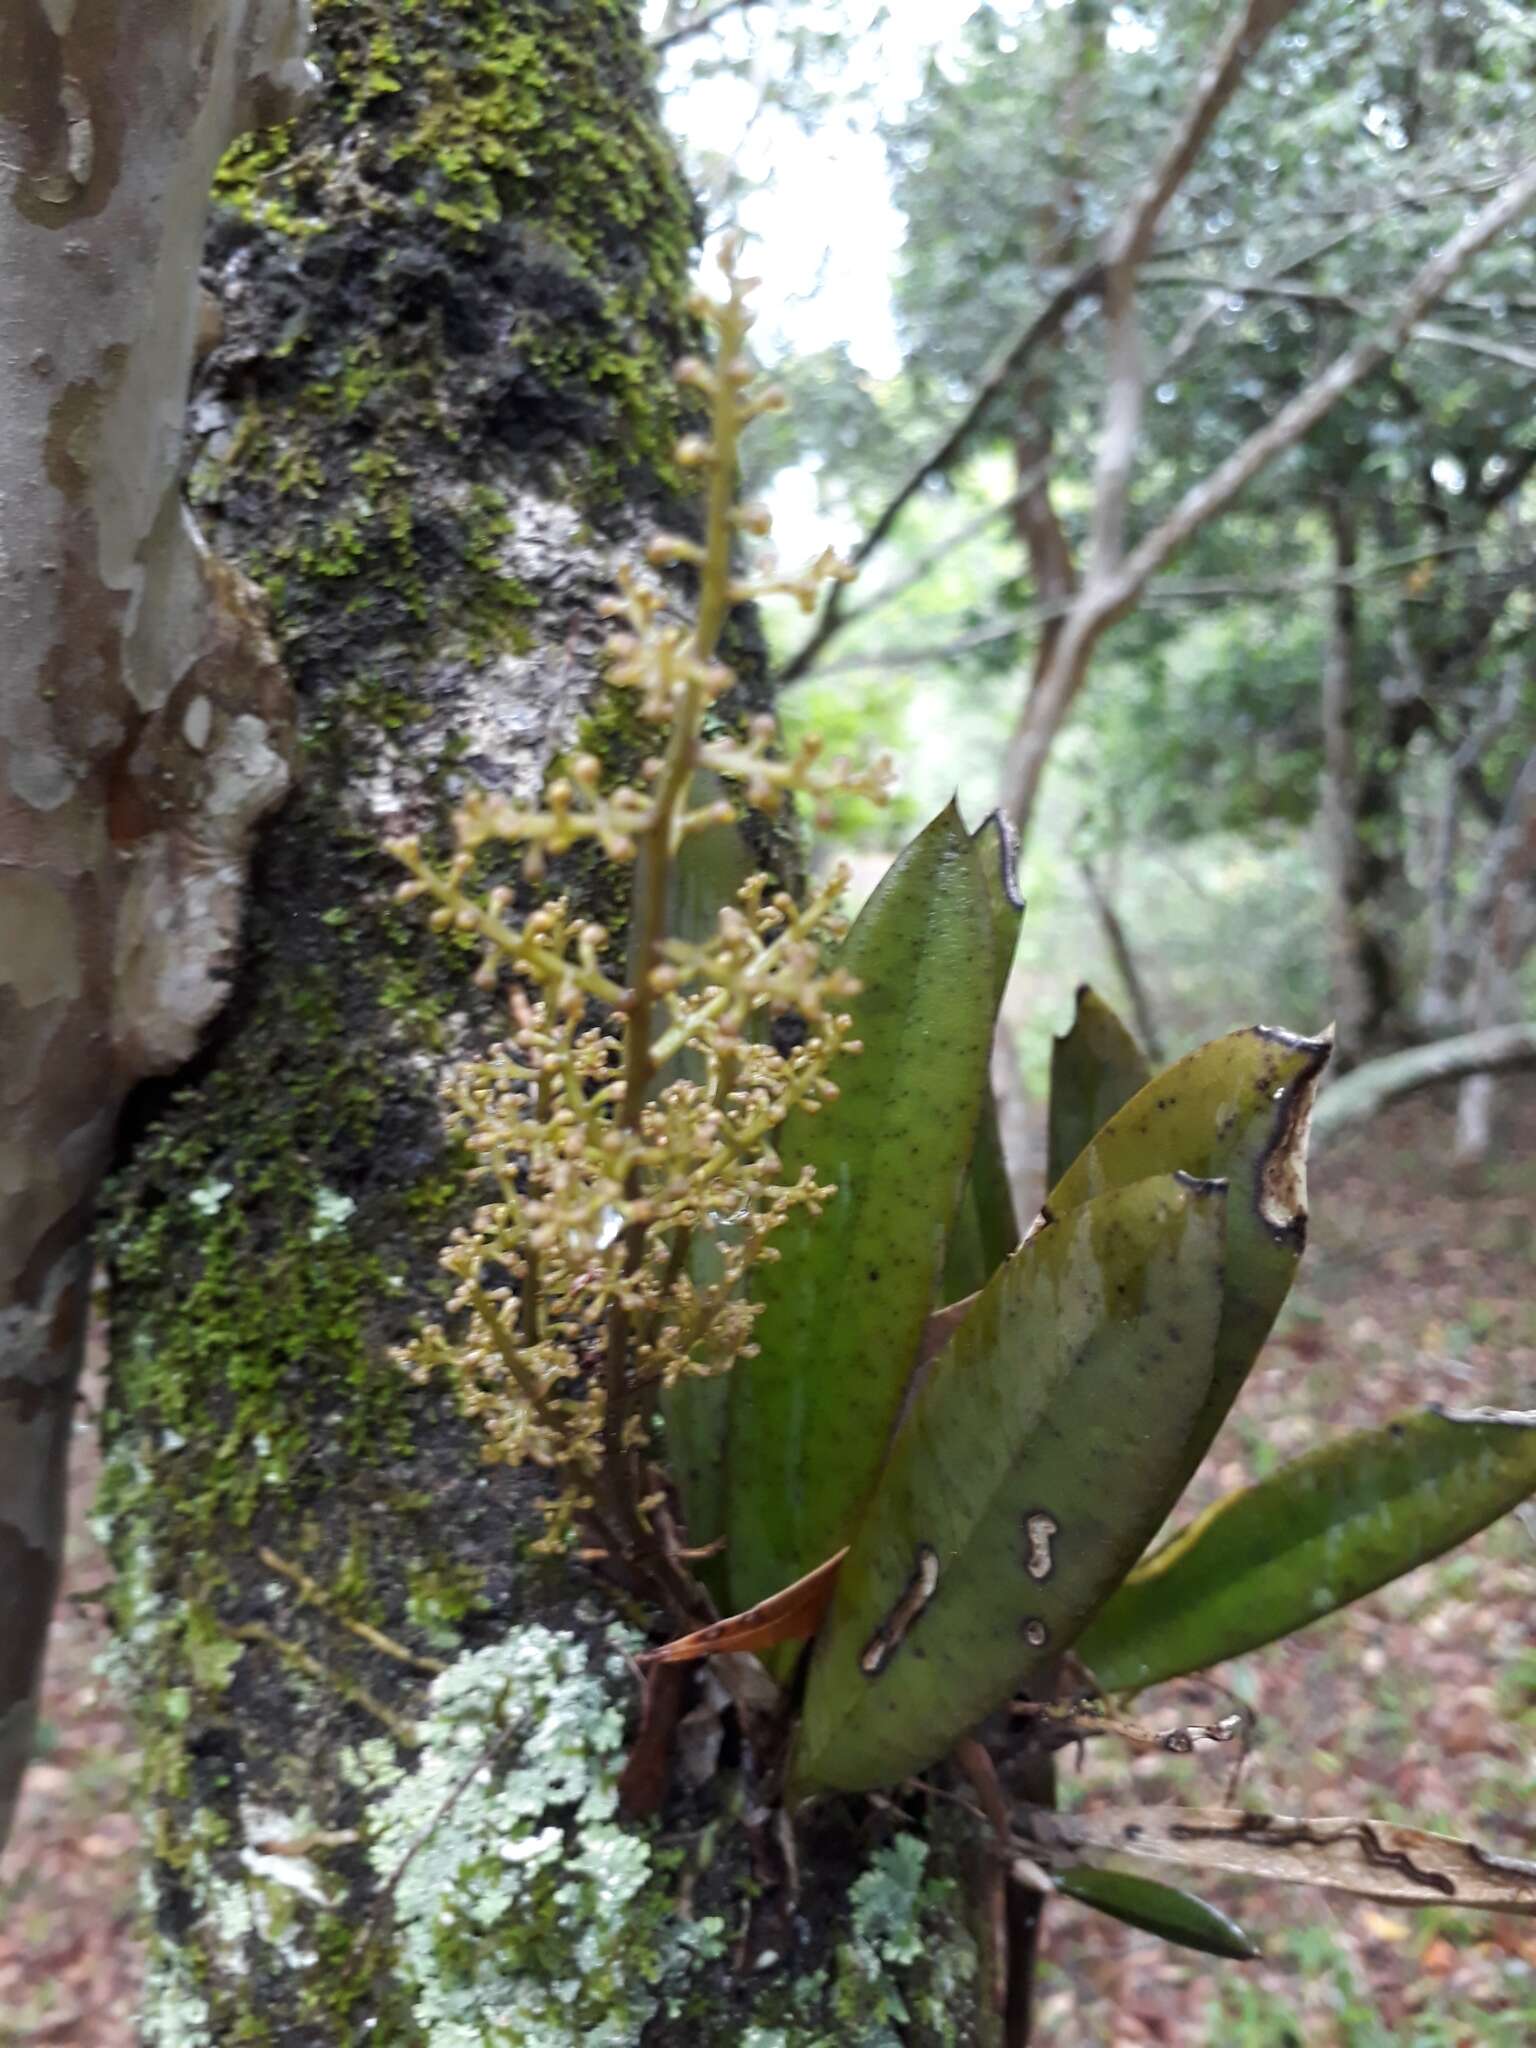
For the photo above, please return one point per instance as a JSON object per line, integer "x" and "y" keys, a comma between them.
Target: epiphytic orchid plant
{"x": 746, "y": 1278}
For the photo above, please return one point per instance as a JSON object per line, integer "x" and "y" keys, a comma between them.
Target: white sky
{"x": 825, "y": 232}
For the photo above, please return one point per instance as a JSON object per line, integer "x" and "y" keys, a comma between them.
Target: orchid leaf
{"x": 1096, "y": 1068}
{"x": 792, "y": 1616}
{"x": 986, "y": 1225}
{"x": 1321, "y": 1531}
{"x": 1160, "y": 1909}
{"x": 844, "y": 1302}
{"x": 1236, "y": 1108}
{"x": 1039, "y": 1456}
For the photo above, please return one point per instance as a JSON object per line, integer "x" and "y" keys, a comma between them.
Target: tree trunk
{"x": 1364, "y": 971}
{"x": 1507, "y": 931}
{"x": 438, "y": 416}
{"x": 1358, "y": 1097}
{"x": 143, "y": 719}
{"x": 1118, "y": 945}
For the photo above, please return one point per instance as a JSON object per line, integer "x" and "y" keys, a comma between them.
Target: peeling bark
{"x": 144, "y": 719}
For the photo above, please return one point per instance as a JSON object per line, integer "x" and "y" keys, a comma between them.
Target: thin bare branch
{"x": 1126, "y": 249}
{"x": 1120, "y": 425}
{"x": 1210, "y": 590}
{"x": 1309, "y": 295}
{"x": 1119, "y": 946}
{"x": 1041, "y": 327}
{"x": 1318, "y": 398}
{"x": 1476, "y": 344}
{"x": 1131, "y": 237}
{"x": 697, "y": 24}
{"x": 944, "y": 550}
{"x": 1105, "y": 601}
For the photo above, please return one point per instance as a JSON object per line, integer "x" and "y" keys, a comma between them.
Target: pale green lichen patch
{"x": 905, "y": 1972}
{"x": 898, "y": 1912}
{"x": 887, "y": 1902}
{"x": 527, "y": 1913}
{"x": 173, "y": 2013}
{"x": 259, "y": 1907}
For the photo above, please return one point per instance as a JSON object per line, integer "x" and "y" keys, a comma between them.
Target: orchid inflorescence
{"x": 622, "y": 1134}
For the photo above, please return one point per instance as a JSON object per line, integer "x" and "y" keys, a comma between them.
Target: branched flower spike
{"x": 624, "y": 1120}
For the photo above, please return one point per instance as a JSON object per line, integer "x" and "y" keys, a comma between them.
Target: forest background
{"x": 1294, "y": 748}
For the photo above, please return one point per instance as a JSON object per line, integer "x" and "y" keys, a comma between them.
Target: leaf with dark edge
{"x": 1159, "y": 1909}
{"x": 986, "y": 1227}
{"x": 1321, "y": 1531}
{"x": 1096, "y": 1067}
{"x": 1038, "y": 1458}
{"x": 792, "y": 1616}
{"x": 1237, "y": 1108}
{"x": 1367, "y": 1858}
{"x": 843, "y": 1305}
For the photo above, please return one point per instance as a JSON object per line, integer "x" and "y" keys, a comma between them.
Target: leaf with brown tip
{"x": 792, "y": 1616}
{"x": 1236, "y": 1109}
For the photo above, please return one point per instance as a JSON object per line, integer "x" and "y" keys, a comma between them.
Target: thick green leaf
{"x": 696, "y": 1414}
{"x": 1096, "y": 1068}
{"x": 1159, "y": 1909}
{"x": 1235, "y": 1109}
{"x": 986, "y": 1227}
{"x": 1315, "y": 1535}
{"x": 845, "y": 1302}
{"x": 1038, "y": 1458}
{"x": 707, "y": 874}
{"x": 1367, "y": 1858}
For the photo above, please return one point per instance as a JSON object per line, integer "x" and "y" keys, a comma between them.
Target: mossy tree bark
{"x": 436, "y": 417}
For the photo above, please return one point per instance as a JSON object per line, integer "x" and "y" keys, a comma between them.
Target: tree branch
{"x": 1310, "y": 295}
{"x": 1041, "y": 327}
{"x": 943, "y": 550}
{"x": 1119, "y": 947}
{"x": 1363, "y": 1094}
{"x": 1125, "y": 251}
{"x": 699, "y": 23}
{"x": 1104, "y": 602}
{"x": 1126, "y": 248}
{"x": 1211, "y": 590}
{"x": 1131, "y": 237}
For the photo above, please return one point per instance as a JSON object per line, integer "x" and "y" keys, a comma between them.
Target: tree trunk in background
{"x": 1503, "y": 915}
{"x": 144, "y": 723}
{"x": 1364, "y": 969}
{"x": 1118, "y": 945}
{"x": 439, "y": 415}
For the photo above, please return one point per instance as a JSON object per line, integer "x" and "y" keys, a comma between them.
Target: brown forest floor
{"x": 1420, "y": 1702}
